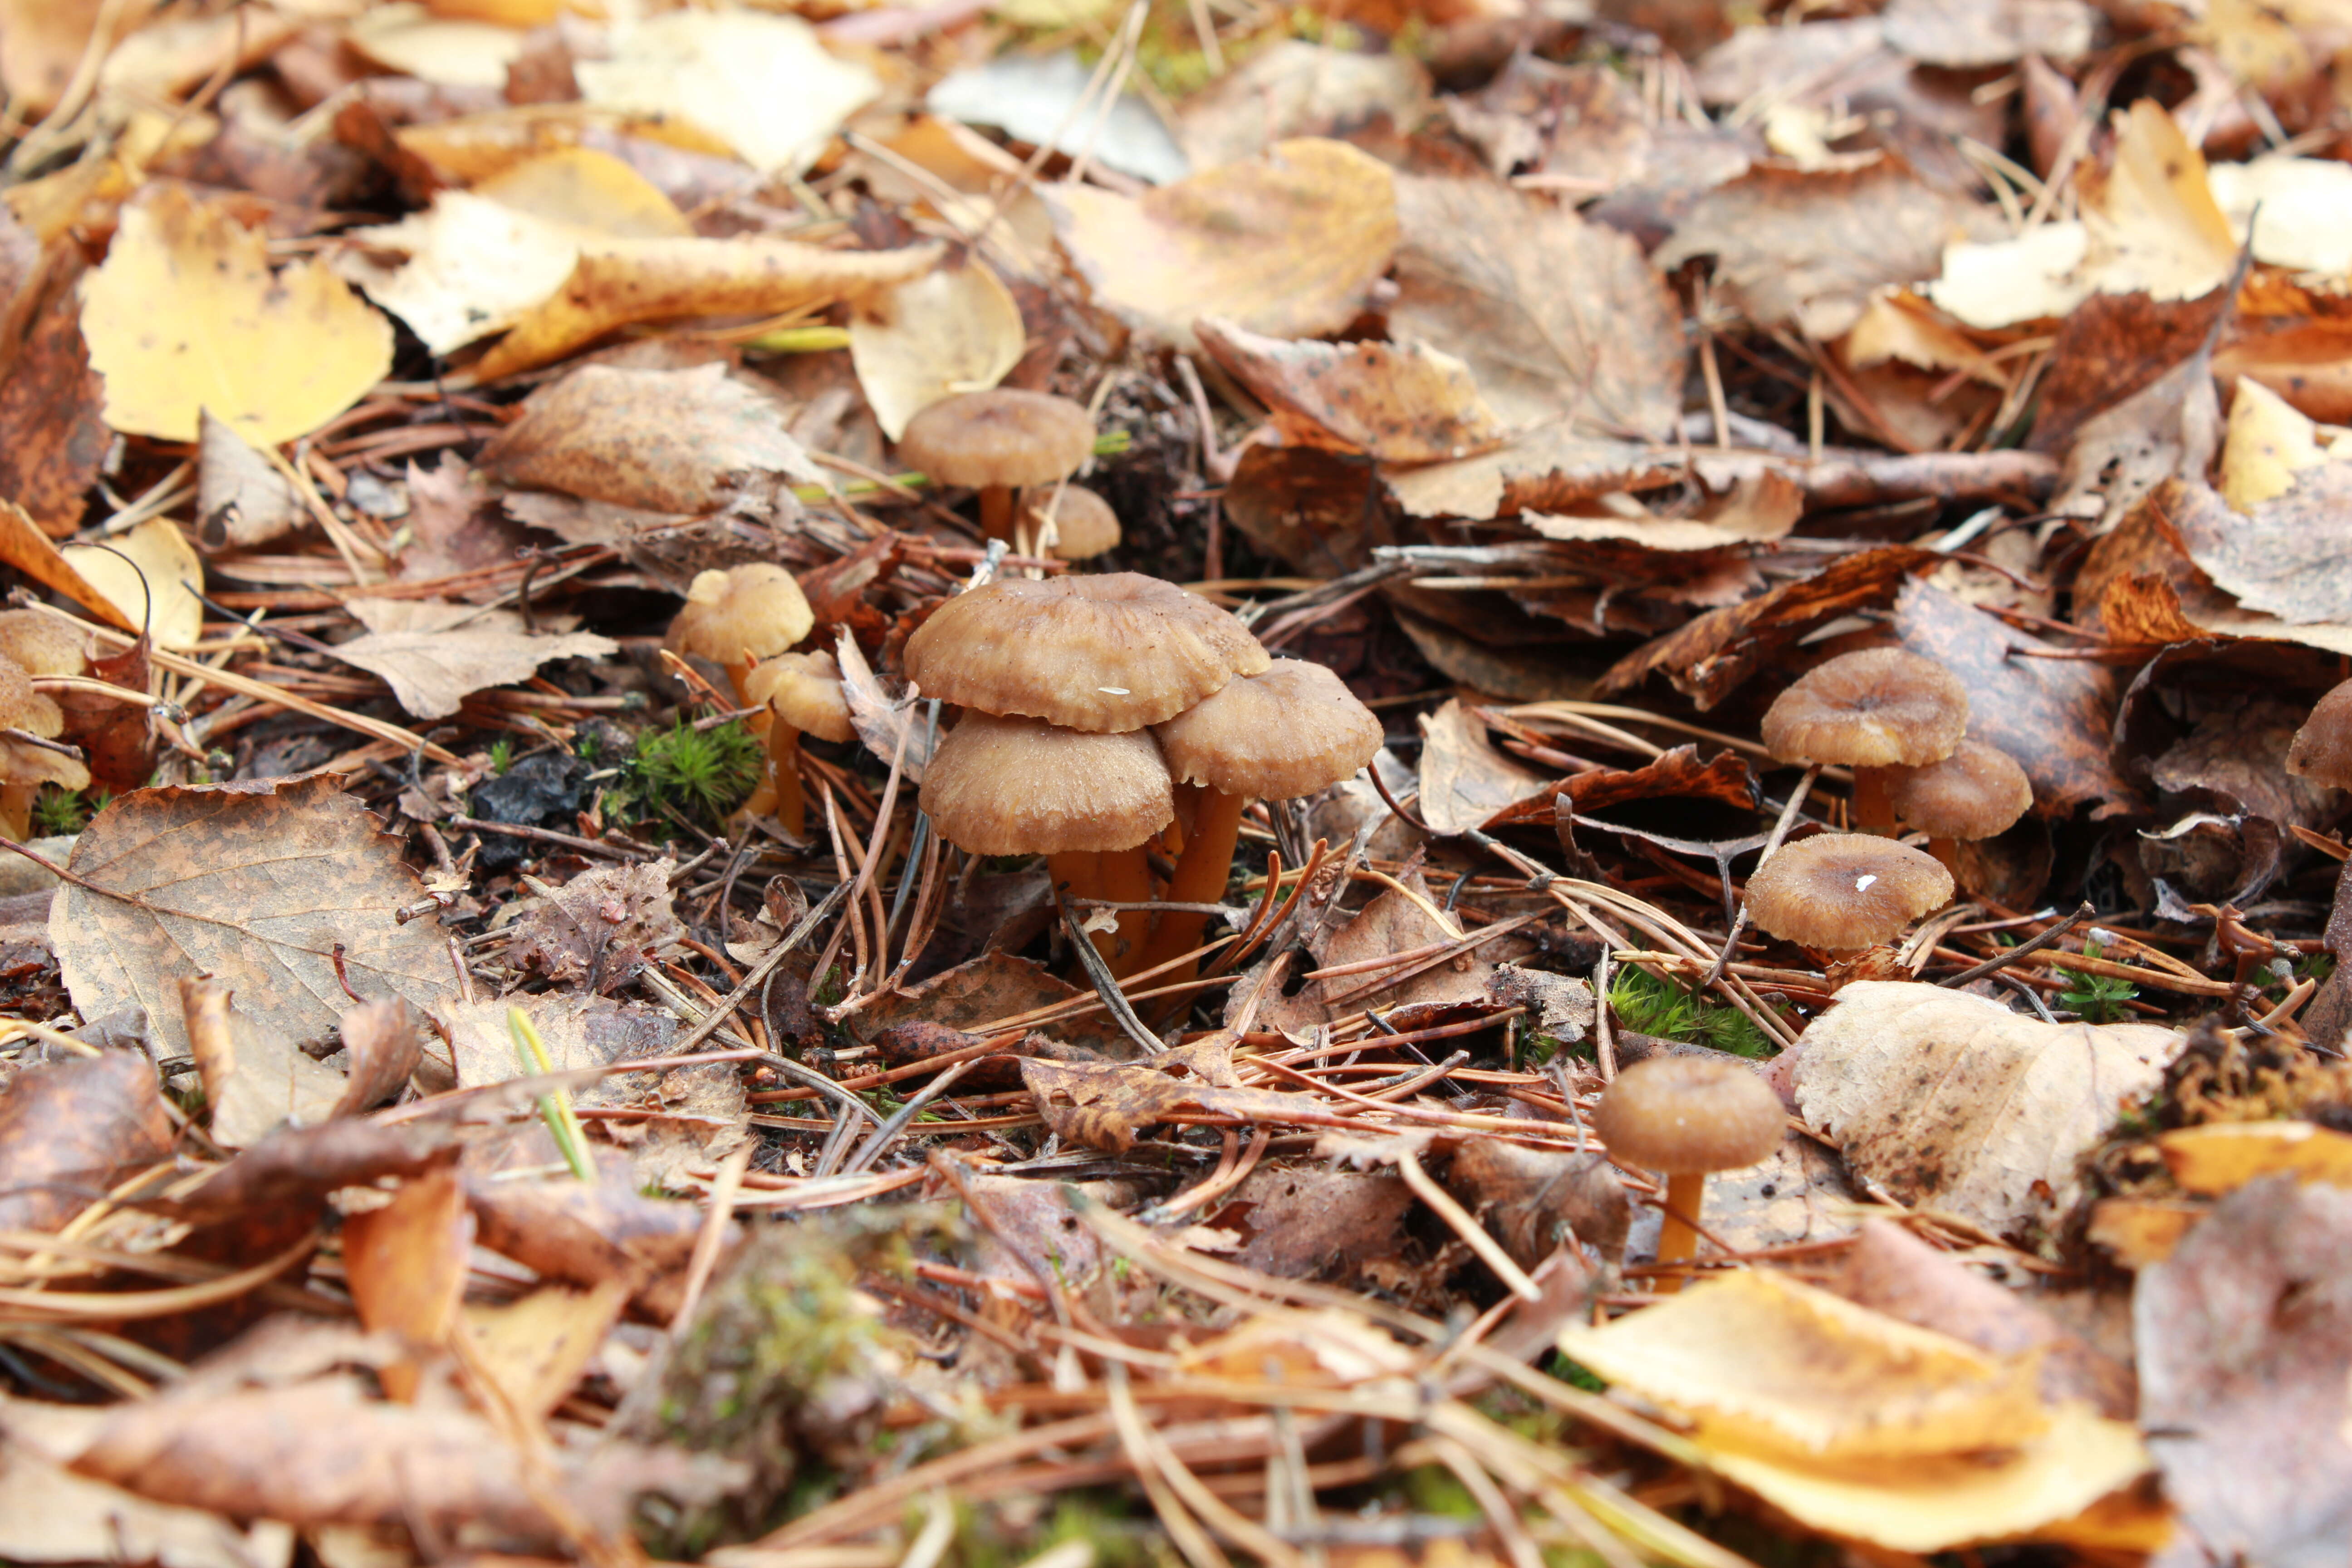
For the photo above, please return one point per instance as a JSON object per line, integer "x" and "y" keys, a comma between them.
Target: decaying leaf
{"x": 1953, "y": 1102}
{"x": 406, "y": 1263}
{"x": 186, "y": 315}
{"x": 600, "y": 928}
{"x": 2285, "y": 559}
{"x": 256, "y": 1080}
{"x": 258, "y": 884}
{"x": 1537, "y": 1201}
{"x": 1464, "y": 778}
{"x": 241, "y": 498}
{"x": 1285, "y": 244}
{"x": 48, "y": 1514}
{"x": 1400, "y": 403}
{"x": 435, "y": 653}
{"x": 52, "y": 435}
{"x": 72, "y": 1128}
{"x": 954, "y": 329}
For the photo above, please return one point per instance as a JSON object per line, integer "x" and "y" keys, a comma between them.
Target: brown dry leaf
{"x": 2052, "y": 715}
{"x": 1302, "y": 1222}
{"x": 2244, "y": 1337}
{"x": 1395, "y": 923}
{"x": 1551, "y": 468}
{"x": 186, "y": 315}
{"x": 1758, "y": 510}
{"x": 2286, "y": 559}
{"x": 258, "y": 884}
{"x": 117, "y": 739}
{"x": 295, "y": 1168}
{"x": 241, "y": 498}
{"x": 1969, "y": 34}
{"x": 1952, "y": 1102}
{"x": 955, "y": 329}
{"x": 435, "y": 653}
{"x": 52, "y": 435}
{"x": 1292, "y": 88}
{"x": 538, "y": 1346}
{"x": 988, "y": 989}
{"x": 48, "y": 1514}
{"x": 1108, "y": 1104}
{"x": 407, "y": 1264}
{"x": 453, "y": 523}
{"x": 1464, "y": 779}
{"x": 1809, "y": 248}
{"x": 256, "y": 1080}
{"x": 71, "y": 1130}
{"x": 1286, "y": 244}
{"x": 1859, "y": 1425}
{"x": 1676, "y": 773}
{"x": 154, "y": 588}
{"x": 1712, "y": 656}
{"x": 678, "y": 441}
{"x": 383, "y": 1043}
{"x": 1399, "y": 402}
{"x": 1537, "y": 1201}
{"x": 600, "y": 928}
{"x": 1558, "y": 319}
{"x": 590, "y": 1235}
{"x": 617, "y": 283}
{"x": 41, "y": 44}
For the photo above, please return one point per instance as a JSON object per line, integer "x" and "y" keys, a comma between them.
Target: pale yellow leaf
{"x": 186, "y": 315}
{"x": 2225, "y": 1156}
{"x": 588, "y": 191}
{"x": 162, "y": 569}
{"x": 405, "y": 36}
{"x": 932, "y": 337}
{"x": 2268, "y": 442}
{"x": 2305, "y": 220}
{"x": 764, "y": 85}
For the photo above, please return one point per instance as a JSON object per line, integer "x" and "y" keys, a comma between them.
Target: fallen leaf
{"x": 954, "y": 329}
{"x": 591, "y": 1235}
{"x": 151, "y": 577}
{"x": 600, "y": 928}
{"x": 1954, "y": 1103}
{"x": 292, "y": 1171}
{"x": 2052, "y": 716}
{"x": 406, "y": 1263}
{"x": 383, "y": 1044}
{"x": 1676, "y": 773}
{"x": 469, "y": 266}
{"x": 256, "y": 884}
{"x": 2222, "y": 1156}
{"x": 453, "y": 522}
{"x": 1537, "y": 1201}
{"x": 1292, "y": 88}
{"x": 459, "y": 52}
{"x": 538, "y": 1346}
{"x": 988, "y": 989}
{"x": 2268, "y": 441}
{"x": 71, "y": 1129}
{"x": 2244, "y": 1337}
{"x": 1464, "y": 779}
{"x": 616, "y": 283}
{"x": 2285, "y": 558}
{"x": 1549, "y": 468}
{"x": 48, "y": 1514}
{"x": 186, "y": 315}
{"x": 1052, "y": 100}
{"x": 256, "y": 1080}
{"x": 241, "y": 498}
{"x": 1558, "y": 319}
{"x": 1399, "y": 402}
{"x": 1301, "y": 1223}
{"x": 1971, "y": 34}
{"x": 2305, "y": 207}
{"x": 435, "y": 653}
{"x": 1807, "y": 248}
{"x": 52, "y": 435}
{"x": 1286, "y": 244}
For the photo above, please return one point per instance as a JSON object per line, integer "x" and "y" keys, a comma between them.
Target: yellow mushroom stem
{"x": 16, "y": 808}
{"x": 1114, "y": 875}
{"x": 1200, "y": 876}
{"x": 996, "y": 518}
{"x": 1873, "y": 805}
{"x": 1678, "y": 1233}
{"x": 784, "y": 780}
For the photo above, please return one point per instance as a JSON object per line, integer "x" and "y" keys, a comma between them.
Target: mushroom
{"x": 1977, "y": 791}
{"x": 1840, "y": 892}
{"x": 803, "y": 691}
{"x": 997, "y": 441}
{"x": 27, "y": 717}
{"x": 1084, "y": 524}
{"x": 1109, "y": 654}
{"x": 1688, "y": 1117}
{"x": 42, "y": 645}
{"x": 2323, "y": 747}
{"x": 1873, "y": 710}
{"x": 1291, "y": 730}
{"x": 1087, "y": 801}
{"x": 735, "y": 618}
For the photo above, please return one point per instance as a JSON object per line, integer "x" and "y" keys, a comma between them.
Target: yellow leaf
{"x": 2225, "y": 1156}
{"x": 536, "y": 1347}
{"x": 2141, "y": 1231}
{"x": 474, "y": 147}
{"x": 186, "y": 315}
{"x": 932, "y": 337}
{"x": 2152, "y": 220}
{"x": 722, "y": 70}
{"x": 448, "y": 53}
{"x": 1285, "y": 244}
{"x": 162, "y": 564}
{"x": 588, "y": 191}
{"x": 2269, "y": 441}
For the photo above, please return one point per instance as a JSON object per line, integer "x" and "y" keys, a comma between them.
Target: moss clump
{"x": 698, "y": 773}
{"x": 1648, "y": 1005}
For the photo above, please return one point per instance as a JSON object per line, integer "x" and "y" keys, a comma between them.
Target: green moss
{"x": 1649, "y": 1006}
{"x": 703, "y": 774}
{"x": 1575, "y": 1373}
{"x": 58, "y": 811}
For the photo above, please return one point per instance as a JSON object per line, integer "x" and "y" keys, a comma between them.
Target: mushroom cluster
{"x": 1003, "y": 441}
{"x": 737, "y": 619}
{"x": 1097, "y": 711}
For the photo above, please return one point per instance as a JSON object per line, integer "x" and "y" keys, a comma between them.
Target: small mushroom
{"x": 1086, "y": 800}
{"x": 803, "y": 691}
{"x": 2323, "y": 747}
{"x": 1873, "y": 710}
{"x": 27, "y": 717}
{"x": 1686, "y": 1117}
{"x": 1084, "y": 526}
{"x": 996, "y": 442}
{"x": 1977, "y": 791}
{"x": 42, "y": 645}
{"x": 1289, "y": 731}
{"x": 1840, "y": 892}
{"x": 738, "y": 617}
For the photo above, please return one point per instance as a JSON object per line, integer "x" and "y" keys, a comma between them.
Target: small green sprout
{"x": 2095, "y": 998}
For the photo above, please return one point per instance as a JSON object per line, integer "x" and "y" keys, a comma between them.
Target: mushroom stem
{"x": 16, "y": 809}
{"x": 1679, "y": 1234}
{"x": 1116, "y": 875}
{"x": 1200, "y": 876}
{"x": 1873, "y": 805}
{"x": 783, "y": 779}
{"x": 996, "y": 519}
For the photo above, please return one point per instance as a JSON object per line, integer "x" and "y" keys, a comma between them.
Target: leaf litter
{"x": 449, "y": 1104}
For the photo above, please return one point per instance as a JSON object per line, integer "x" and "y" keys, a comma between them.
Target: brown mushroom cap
{"x": 803, "y": 689}
{"x": 1110, "y": 653}
{"x": 1873, "y": 708}
{"x": 1084, "y": 524}
{"x": 1286, "y": 732}
{"x": 23, "y": 708}
{"x": 1977, "y": 791}
{"x": 1685, "y": 1115}
{"x": 42, "y": 645}
{"x": 999, "y": 438}
{"x": 1845, "y": 889}
{"x": 755, "y": 611}
{"x": 2323, "y": 747}
{"x": 1017, "y": 786}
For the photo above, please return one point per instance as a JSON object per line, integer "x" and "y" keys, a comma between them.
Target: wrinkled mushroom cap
{"x": 1084, "y": 524}
{"x": 1845, "y": 889}
{"x": 1685, "y": 1115}
{"x": 2323, "y": 747}
{"x": 803, "y": 689}
{"x": 1286, "y": 732}
{"x": 1110, "y": 653}
{"x": 1017, "y": 786}
{"x": 999, "y": 438}
{"x": 1873, "y": 708}
{"x": 23, "y": 708}
{"x": 753, "y": 612}
{"x": 42, "y": 645}
{"x": 1977, "y": 791}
